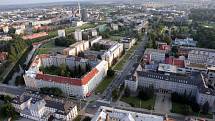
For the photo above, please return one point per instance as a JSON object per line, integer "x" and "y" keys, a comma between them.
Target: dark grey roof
{"x": 178, "y": 79}
{"x": 133, "y": 69}
{"x": 20, "y": 99}
{"x": 62, "y": 107}
{"x": 195, "y": 79}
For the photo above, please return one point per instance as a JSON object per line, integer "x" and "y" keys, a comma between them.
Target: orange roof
{"x": 33, "y": 36}
{"x": 67, "y": 80}
{"x": 43, "y": 56}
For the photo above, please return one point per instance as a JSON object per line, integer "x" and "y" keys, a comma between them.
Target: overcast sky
{"x": 14, "y": 2}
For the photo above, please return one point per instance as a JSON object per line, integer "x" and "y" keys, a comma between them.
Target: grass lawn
{"x": 49, "y": 47}
{"x": 115, "y": 38}
{"x": 84, "y": 26}
{"x": 104, "y": 84}
{"x": 138, "y": 103}
{"x": 50, "y": 44}
{"x": 43, "y": 51}
{"x": 177, "y": 108}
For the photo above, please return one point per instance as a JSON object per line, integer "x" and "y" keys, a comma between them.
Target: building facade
{"x": 114, "y": 52}
{"x": 78, "y": 35}
{"x": 44, "y": 108}
{"x": 79, "y": 87}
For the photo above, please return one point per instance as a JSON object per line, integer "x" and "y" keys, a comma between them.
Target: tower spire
{"x": 79, "y": 10}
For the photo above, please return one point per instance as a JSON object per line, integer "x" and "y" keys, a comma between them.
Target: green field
{"x": 49, "y": 47}
{"x": 138, "y": 103}
{"x": 104, "y": 84}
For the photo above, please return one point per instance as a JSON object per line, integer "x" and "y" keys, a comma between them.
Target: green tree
{"x": 167, "y": 39}
{"x": 13, "y": 54}
{"x": 7, "y": 110}
{"x": 127, "y": 92}
{"x": 205, "y": 108}
{"x": 110, "y": 72}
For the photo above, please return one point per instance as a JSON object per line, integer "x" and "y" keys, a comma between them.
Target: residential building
{"x": 78, "y": 35}
{"x": 61, "y": 33}
{"x": 79, "y": 87}
{"x": 95, "y": 40}
{"x": 169, "y": 83}
{"x": 178, "y": 62}
{"x": 5, "y": 38}
{"x": 3, "y": 56}
{"x": 19, "y": 31}
{"x": 115, "y": 27}
{"x": 41, "y": 22}
{"x": 164, "y": 46}
{"x": 94, "y": 33}
{"x": 76, "y": 48}
{"x": 128, "y": 42}
{"x": 155, "y": 55}
{"x": 114, "y": 52}
{"x": 185, "y": 42}
{"x": 110, "y": 114}
{"x": 5, "y": 29}
{"x": 34, "y": 36}
{"x": 44, "y": 108}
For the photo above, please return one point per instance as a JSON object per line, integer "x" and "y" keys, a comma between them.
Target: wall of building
{"x": 167, "y": 85}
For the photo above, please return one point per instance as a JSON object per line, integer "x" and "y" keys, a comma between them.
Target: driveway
{"x": 163, "y": 103}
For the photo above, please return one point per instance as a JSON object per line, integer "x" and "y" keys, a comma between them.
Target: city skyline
{"x": 20, "y": 2}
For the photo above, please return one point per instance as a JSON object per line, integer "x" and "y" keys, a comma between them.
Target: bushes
{"x": 146, "y": 93}
{"x": 64, "y": 41}
{"x": 98, "y": 47}
{"x": 51, "y": 91}
{"x": 19, "y": 81}
{"x": 187, "y": 101}
{"x": 110, "y": 73}
{"x": 7, "y": 110}
{"x": 127, "y": 92}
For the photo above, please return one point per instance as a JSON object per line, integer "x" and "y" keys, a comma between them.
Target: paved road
{"x": 119, "y": 79}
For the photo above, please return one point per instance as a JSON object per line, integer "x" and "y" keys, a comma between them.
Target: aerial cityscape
{"x": 107, "y": 60}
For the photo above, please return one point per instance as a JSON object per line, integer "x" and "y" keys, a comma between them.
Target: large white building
{"x": 76, "y": 48}
{"x": 41, "y": 22}
{"x": 79, "y": 87}
{"x": 44, "y": 108}
{"x": 194, "y": 85}
{"x": 114, "y": 52}
{"x": 61, "y": 33}
{"x": 128, "y": 42}
{"x": 94, "y": 32}
{"x": 78, "y": 35}
{"x": 155, "y": 54}
{"x": 113, "y": 114}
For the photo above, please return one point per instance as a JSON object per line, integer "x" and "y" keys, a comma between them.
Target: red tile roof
{"x": 3, "y": 56}
{"x": 33, "y": 36}
{"x": 43, "y": 56}
{"x": 67, "y": 80}
{"x": 174, "y": 61}
{"x": 164, "y": 47}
